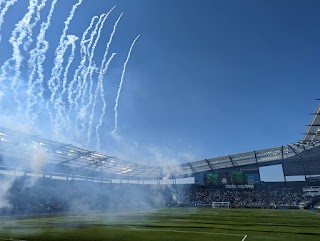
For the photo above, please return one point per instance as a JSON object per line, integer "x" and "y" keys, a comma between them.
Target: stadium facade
{"x": 66, "y": 161}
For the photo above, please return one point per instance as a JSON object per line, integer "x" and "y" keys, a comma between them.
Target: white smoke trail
{"x": 80, "y": 73}
{"x": 22, "y": 34}
{"x": 83, "y": 49}
{"x": 37, "y": 57}
{"x": 3, "y": 75}
{"x": 59, "y": 105}
{"x": 91, "y": 55}
{"x": 19, "y": 34}
{"x": 103, "y": 71}
{"x": 68, "y": 21}
{"x": 72, "y": 40}
{"x": 89, "y": 70}
{"x": 120, "y": 86}
{"x": 31, "y": 26}
{"x": 54, "y": 82}
{"x": 96, "y": 96}
{"x": 2, "y": 2}
{"x": 4, "y": 11}
{"x": 83, "y": 111}
{"x": 104, "y": 104}
{"x": 86, "y": 71}
{"x": 18, "y": 28}
{"x": 110, "y": 40}
{"x": 83, "y": 54}
{"x": 56, "y": 86}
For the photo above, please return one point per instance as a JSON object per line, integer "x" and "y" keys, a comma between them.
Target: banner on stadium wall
{"x": 231, "y": 178}
{"x": 238, "y": 177}
{"x": 253, "y": 178}
{"x": 240, "y": 186}
{"x": 215, "y": 178}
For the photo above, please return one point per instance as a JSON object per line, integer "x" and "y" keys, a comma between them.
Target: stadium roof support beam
{"x": 161, "y": 172}
{"x": 313, "y": 128}
{"x": 283, "y": 173}
{"x": 231, "y": 161}
{"x": 312, "y": 134}
{"x": 295, "y": 152}
{"x": 191, "y": 168}
{"x": 175, "y": 171}
{"x": 255, "y": 156}
{"x": 208, "y": 164}
{"x": 300, "y": 146}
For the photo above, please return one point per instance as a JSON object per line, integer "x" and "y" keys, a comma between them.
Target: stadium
{"x": 61, "y": 174}
{"x": 109, "y": 199}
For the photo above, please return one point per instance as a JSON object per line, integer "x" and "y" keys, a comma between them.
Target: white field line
{"x": 166, "y": 230}
{"x": 194, "y": 232}
{"x": 311, "y": 212}
{"x": 182, "y": 231}
{"x": 131, "y": 227}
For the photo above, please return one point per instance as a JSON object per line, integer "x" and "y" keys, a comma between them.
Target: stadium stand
{"x": 56, "y": 196}
{"x": 266, "y": 196}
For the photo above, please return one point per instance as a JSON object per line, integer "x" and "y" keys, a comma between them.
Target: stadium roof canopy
{"x": 313, "y": 131}
{"x": 20, "y": 151}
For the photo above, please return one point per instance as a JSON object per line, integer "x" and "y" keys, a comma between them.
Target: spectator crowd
{"x": 52, "y": 196}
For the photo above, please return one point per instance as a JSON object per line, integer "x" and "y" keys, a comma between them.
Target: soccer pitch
{"x": 185, "y": 224}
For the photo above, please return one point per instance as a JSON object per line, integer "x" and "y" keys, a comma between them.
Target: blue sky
{"x": 220, "y": 77}
{"x": 206, "y": 78}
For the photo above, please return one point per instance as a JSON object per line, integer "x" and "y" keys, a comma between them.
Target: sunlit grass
{"x": 167, "y": 224}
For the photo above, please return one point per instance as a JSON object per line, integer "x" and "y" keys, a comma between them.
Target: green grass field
{"x": 167, "y": 224}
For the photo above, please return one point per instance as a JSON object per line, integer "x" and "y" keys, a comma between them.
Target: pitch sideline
{"x": 183, "y": 231}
